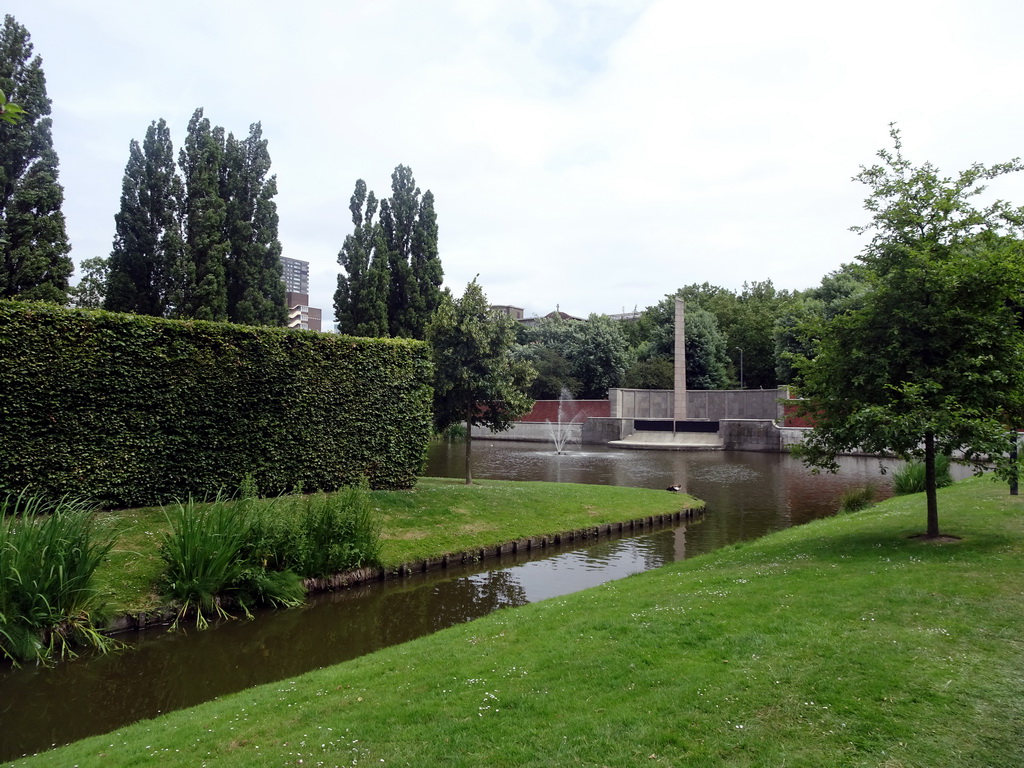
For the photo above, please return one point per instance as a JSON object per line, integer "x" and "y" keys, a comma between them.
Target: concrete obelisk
{"x": 679, "y": 399}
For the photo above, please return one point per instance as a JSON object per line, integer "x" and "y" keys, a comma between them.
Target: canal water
{"x": 747, "y": 495}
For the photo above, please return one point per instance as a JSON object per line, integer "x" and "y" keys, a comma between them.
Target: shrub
{"x": 317, "y": 535}
{"x": 48, "y": 556}
{"x": 856, "y": 499}
{"x": 910, "y": 478}
{"x": 252, "y": 552}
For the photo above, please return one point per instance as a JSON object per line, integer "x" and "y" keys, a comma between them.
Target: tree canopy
{"x": 392, "y": 272}
{"x": 477, "y": 379}
{"x": 201, "y": 242}
{"x": 930, "y": 359}
{"x": 34, "y": 248}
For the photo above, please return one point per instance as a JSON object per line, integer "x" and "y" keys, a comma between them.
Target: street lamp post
{"x": 741, "y": 366}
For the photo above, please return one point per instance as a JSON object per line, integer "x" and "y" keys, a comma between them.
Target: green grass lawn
{"x": 437, "y": 517}
{"x": 844, "y": 642}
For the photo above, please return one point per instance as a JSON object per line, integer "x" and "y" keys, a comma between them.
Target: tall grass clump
{"x": 318, "y": 535}
{"x": 257, "y": 552}
{"x": 207, "y": 567}
{"x": 857, "y": 498}
{"x": 910, "y": 477}
{"x": 48, "y": 557}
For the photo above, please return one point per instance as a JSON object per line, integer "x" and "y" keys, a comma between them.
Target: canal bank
{"x": 844, "y": 642}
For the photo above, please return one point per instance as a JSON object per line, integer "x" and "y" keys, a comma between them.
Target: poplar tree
{"x": 360, "y": 302}
{"x": 409, "y": 224}
{"x": 148, "y": 248}
{"x": 398, "y": 252}
{"x": 203, "y": 271}
{"x": 255, "y": 291}
{"x": 34, "y": 248}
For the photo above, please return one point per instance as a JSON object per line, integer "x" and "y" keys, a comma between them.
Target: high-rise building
{"x": 296, "y": 286}
{"x": 296, "y": 275}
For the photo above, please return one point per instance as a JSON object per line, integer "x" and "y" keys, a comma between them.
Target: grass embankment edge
{"x": 841, "y": 642}
{"x": 440, "y": 521}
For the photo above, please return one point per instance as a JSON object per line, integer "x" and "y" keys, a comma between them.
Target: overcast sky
{"x": 590, "y": 154}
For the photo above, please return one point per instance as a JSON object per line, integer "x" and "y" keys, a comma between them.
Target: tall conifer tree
{"x": 148, "y": 248}
{"x": 34, "y": 248}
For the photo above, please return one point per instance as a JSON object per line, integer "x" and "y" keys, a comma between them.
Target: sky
{"x": 589, "y": 155}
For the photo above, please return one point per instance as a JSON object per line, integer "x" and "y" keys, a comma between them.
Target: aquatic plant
{"x": 317, "y": 535}
{"x": 857, "y": 498}
{"x": 910, "y": 477}
{"x": 48, "y": 557}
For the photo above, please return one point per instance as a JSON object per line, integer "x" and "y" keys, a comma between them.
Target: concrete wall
{"x": 711, "y": 404}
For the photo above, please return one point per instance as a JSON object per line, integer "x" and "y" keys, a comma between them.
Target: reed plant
{"x": 49, "y": 604}
{"x": 857, "y": 498}
{"x": 317, "y": 535}
{"x": 910, "y": 478}
{"x": 257, "y": 552}
{"x": 209, "y": 568}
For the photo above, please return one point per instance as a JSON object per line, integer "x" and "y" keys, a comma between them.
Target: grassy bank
{"x": 437, "y": 517}
{"x": 843, "y": 642}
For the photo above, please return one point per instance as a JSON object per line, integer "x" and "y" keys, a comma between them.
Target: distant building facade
{"x": 296, "y": 286}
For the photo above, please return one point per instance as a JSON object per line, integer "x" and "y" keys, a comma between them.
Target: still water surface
{"x": 747, "y": 495}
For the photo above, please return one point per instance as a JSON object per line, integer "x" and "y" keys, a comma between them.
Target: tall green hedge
{"x": 130, "y": 410}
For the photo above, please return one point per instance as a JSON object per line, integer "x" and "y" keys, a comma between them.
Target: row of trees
{"x": 199, "y": 243}
{"x": 391, "y": 284}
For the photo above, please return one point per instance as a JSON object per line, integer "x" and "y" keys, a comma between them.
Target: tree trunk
{"x": 469, "y": 449}
{"x": 929, "y": 485}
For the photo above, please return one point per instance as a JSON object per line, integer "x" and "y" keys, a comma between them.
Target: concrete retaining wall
{"x": 710, "y": 404}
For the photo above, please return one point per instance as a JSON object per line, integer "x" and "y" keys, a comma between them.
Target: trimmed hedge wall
{"x": 130, "y": 410}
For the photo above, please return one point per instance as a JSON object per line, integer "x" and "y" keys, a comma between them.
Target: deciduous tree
{"x": 477, "y": 379}
{"x": 931, "y": 360}
{"x": 34, "y": 248}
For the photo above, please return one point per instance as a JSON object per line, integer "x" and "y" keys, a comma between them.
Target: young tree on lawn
{"x": 34, "y": 248}
{"x": 477, "y": 379}
{"x": 930, "y": 360}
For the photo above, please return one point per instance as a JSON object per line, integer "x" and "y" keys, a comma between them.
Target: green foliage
{"x": 655, "y": 373}
{"x": 856, "y": 499}
{"x": 910, "y": 478}
{"x": 316, "y": 535}
{"x": 392, "y": 272}
{"x": 203, "y": 557}
{"x": 91, "y": 290}
{"x": 132, "y": 410}
{"x": 48, "y": 558}
{"x": 477, "y": 379}
{"x": 34, "y": 248}
{"x": 360, "y": 301}
{"x": 930, "y": 359}
{"x": 9, "y": 111}
{"x": 148, "y": 248}
{"x": 587, "y": 357}
{"x": 249, "y": 553}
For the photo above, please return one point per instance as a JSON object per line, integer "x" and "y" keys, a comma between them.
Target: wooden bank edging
{"x": 165, "y": 615}
{"x": 476, "y": 554}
